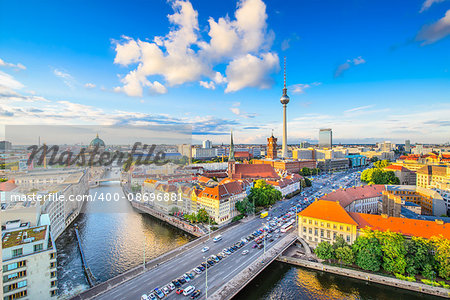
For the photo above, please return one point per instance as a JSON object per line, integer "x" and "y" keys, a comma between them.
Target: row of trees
{"x": 263, "y": 194}
{"x": 378, "y": 175}
{"x": 308, "y": 172}
{"x": 245, "y": 207}
{"x": 200, "y": 217}
{"x": 375, "y": 250}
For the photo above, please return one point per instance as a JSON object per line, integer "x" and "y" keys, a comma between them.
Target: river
{"x": 113, "y": 236}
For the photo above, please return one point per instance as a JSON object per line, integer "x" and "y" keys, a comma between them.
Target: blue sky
{"x": 370, "y": 70}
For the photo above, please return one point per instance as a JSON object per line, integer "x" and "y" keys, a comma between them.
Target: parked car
{"x": 179, "y": 291}
{"x": 196, "y": 294}
{"x": 176, "y": 283}
{"x": 171, "y": 286}
{"x": 244, "y": 252}
{"x": 165, "y": 290}
{"x": 197, "y": 270}
{"x": 144, "y": 297}
{"x": 205, "y": 249}
{"x": 189, "y": 290}
{"x": 152, "y": 296}
{"x": 159, "y": 293}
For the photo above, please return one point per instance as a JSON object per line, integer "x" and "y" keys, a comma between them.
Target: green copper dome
{"x": 97, "y": 142}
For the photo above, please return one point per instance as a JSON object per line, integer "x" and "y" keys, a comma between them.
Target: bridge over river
{"x": 224, "y": 279}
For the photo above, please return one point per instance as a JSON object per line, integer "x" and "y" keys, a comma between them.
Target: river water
{"x": 113, "y": 236}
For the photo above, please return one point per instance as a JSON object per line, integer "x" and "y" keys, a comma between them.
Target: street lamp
{"x": 206, "y": 277}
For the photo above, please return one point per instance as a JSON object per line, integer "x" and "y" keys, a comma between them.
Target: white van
{"x": 144, "y": 297}
{"x": 187, "y": 291}
{"x": 217, "y": 238}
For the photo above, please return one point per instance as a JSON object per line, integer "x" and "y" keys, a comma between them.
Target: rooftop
{"x": 329, "y": 211}
{"x": 348, "y": 195}
{"x": 23, "y": 236}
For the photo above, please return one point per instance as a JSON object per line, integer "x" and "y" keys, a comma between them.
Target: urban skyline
{"x": 389, "y": 81}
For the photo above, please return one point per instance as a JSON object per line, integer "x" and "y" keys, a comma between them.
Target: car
{"x": 196, "y": 294}
{"x": 255, "y": 245}
{"x": 171, "y": 286}
{"x": 220, "y": 256}
{"x": 165, "y": 290}
{"x": 260, "y": 246}
{"x": 197, "y": 270}
{"x": 144, "y": 297}
{"x": 159, "y": 293}
{"x": 152, "y": 296}
{"x": 179, "y": 291}
{"x": 217, "y": 238}
{"x": 191, "y": 275}
{"x": 182, "y": 280}
{"x": 244, "y": 252}
{"x": 205, "y": 249}
{"x": 186, "y": 277}
{"x": 176, "y": 283}
{"x": 201, "y": 267}
{"x": 189, "y": 290}
{"x": 271, "y": 240}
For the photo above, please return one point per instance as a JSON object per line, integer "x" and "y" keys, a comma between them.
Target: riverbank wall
{"x": 390, "y": 281}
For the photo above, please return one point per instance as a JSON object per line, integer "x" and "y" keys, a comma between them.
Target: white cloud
{"x": 183, "y": 55}
{"x": 347, "y": 65}
{"x": 235, "y": 110}
{"x": 18, "y": 66}
{"x": 66, "y": 77}
{"x": 301, "y": 87}
{"x": 427, "y": 4}
{"x": 207, "y": 85}
{"x": 251, "y": 71}
{"x": 435, "y": 32}
{"x": 89, "y": 85}
{"x": 359, "y": 108}
{"x": 8, "y": 81}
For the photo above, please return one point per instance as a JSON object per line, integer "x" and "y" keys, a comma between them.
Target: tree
{"x": 339, "y": 242}
{"x": 442, "y": 255}
{"x": 307, "y": 182}
{"x": 305, "y": 171}
{"x": 324, "y": 251}
{"x": 245, "y": 207}
{"x": 263, "y": 194}
{"x": 394, "y": 251}
{"x": 345, "y": 255}
{"x": 418, "y": 255}
{"x": 368, "y": 251}
{"x": 202, "y": 215}
{"x": 428, "y": 272}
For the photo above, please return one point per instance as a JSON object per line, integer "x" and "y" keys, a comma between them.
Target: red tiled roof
{"x": 408, "y": 227}
{"x": 395, "y": 168}
{"x": 254, "y": 171}
{"x": 7, "y": 185}
{"x": 328, "y": 211}
{"x": 222, "y": 191}
{"x": 242, "y": 154}
{"x": 204, "y": 179}
{"x": 347, "y": 196}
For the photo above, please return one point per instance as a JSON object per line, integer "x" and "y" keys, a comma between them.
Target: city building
{"x": 436, "y": 178}
{"x": 203, "y": 153}
{"x": 357, "y": 160}
{"x": 326, "y": 220}
{"x": 28, "y": 260}
{"x": 408, "y": 146}
{"x": 271, "y": 152}
{"x": 361, "y": 199}
{"x": 305, "y": 144}
{"x": 5, "y": 146}
{"x": 405, "y": 175}
{"x": 207, "y": 144}
{"x": 332, "y": 164}
{"x": 325, "y": 138}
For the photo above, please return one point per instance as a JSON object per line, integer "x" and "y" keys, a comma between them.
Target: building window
{"x": 52, "y": 265}
{"x": 328, "y": 225}
{"x": 14, "y": 276}
{"x": 304, "y": 229}
{"x": 310, "y": 221}
{"x": 53, "y": 293}
{"x": 16, "y": 295}
{"x": 334, "y": 226}
{"x": 53, "y": 255}
{"x": 341, "y": 227}
{"x": 316, "y": 231}
{"x": 53, "y": 283}
{"x": 53, "y": 274}
{"x": 17, "y": 252}
{"x": 334, "y": 235}
{"x": 310, "y": 231}
{"x": 321, "y": 232}
{"x": 315, "y": 223}
{"x": 348, "y": 228}
{"x": 38, "y": 247}
{"x": 328, "y": 234}
{"x": 348, "y": 239}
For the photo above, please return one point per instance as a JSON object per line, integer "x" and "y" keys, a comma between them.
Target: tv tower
{"x": 284, "y": 100}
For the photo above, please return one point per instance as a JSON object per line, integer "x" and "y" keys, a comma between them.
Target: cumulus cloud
{"x": 436, "y": 31}
{"x": 301, "y": 87}
{"x": 235, "y": 110}
{"x": 17, "y": 66}
{"x": 427, "y": 4}
{"x": 89, "y": 85}
{"x": 184, "y": 55}
{"x": 347, "y": 65}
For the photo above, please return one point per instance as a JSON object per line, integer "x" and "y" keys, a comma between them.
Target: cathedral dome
{"x": 97, "y": 142}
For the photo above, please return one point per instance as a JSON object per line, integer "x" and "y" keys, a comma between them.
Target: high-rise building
{"x": 325, "y": 138}
{"x": 5, "y": 145}
{"x": 305, "y": 144}
{"x": 207, "y": 144}
{"x": 284, "y": 100}
{"x": 408, "y": 146}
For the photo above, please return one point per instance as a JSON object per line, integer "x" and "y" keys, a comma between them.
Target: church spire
{"x": 231, "y": 157}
